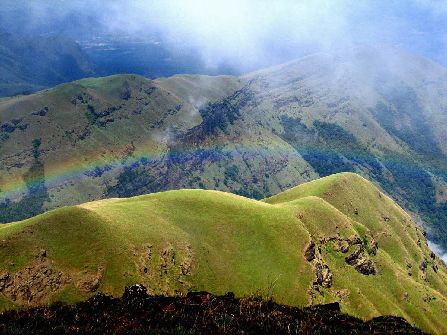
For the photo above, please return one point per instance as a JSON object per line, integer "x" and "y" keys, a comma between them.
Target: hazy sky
{"x": 248, "y": 32}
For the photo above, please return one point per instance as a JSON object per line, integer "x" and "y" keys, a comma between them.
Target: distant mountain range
{"x": 379, "y": 112}
{"x": 149, "y": 57}
{"x": 28, "y": 64}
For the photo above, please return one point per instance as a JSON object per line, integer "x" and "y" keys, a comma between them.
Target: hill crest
{"x": 371, "y": 258}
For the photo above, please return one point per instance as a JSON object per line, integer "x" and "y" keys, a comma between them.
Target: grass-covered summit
{"x": 334, "y": 239}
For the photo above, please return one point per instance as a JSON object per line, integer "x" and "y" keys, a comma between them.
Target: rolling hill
{"x": 334, "y": 239}
{"x": 376, "y": 111}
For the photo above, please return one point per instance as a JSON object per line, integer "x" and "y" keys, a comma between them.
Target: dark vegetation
{"x": 197, "y": 313}
{"x": 100, "y": 118}
{"x": 232, "y": 174}
{"x": 10, "y": 127}
{"x": 187, "y": 153}
{"x": 135, "y": 179}
{"x": 98, "y": 171}
{"x": 327, "y": 147}
{"x": 219, "y": 115}
{"x": 41, "y": 112}
{"x": 413, "y": 178}
{"x": 331, "y": 149}
{"x": 37, "y": 194}
{"x": 404, "y": 105}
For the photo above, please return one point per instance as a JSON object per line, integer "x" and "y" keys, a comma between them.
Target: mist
{"x": 438, "y": 251}
{"x": 244, "y": 34}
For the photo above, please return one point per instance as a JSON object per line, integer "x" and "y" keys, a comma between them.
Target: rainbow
{"x": 61, "y": 173}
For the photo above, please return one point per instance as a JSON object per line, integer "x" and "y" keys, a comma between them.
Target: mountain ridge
{"x": 256, "y": 135}
{"x": 357, "y": 247}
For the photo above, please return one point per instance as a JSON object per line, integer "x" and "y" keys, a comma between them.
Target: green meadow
{"x": 186, "y": 240}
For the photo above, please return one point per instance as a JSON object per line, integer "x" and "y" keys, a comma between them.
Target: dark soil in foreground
{"x": 197, "y": 313}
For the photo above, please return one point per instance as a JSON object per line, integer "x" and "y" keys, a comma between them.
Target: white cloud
{"x": 240, "y": 30}
{"x": 438, "y": 251}
{"x": 255, "y": 31}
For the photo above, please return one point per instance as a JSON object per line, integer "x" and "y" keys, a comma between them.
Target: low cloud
{"x": 254, "y": 33}
{"x": 441, "y": 253}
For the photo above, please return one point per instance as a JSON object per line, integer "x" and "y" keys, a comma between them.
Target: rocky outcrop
{"x": 90, "y": 282}
{"x": 373, "y": 247}
{"x": 34, "y": 284}
{"x": 322, "y": 272}
{"x": 168, "y": 260}
{"x": 309, "y": 253}
{"x": 323, "y": 275}
{"x": 360, "y": 261}
{"x": 186, "y": 264}
{"x": 423, "y": 268}
{"x": 360, "y": 258}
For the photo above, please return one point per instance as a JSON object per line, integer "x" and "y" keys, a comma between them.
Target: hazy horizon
{"x": 239, "y": 35}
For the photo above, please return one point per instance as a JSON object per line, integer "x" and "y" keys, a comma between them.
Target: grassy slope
{"x": 135, "y": 126}
{"x": 313, "y": 117}
{"x": 236, "y": 244}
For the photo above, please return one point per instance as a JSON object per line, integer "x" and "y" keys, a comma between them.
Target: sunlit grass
{"x": 240, "y": 245}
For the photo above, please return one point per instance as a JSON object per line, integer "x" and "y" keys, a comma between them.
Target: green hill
{"x": 334, "y": 239}
{"x": 375, "y": 112}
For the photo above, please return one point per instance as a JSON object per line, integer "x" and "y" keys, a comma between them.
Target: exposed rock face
{"x": 309, "y": 253}
{"x": 373, "y": 248}
{"x": 90, "y": 282}
{"x": 33, "y": 284}
{"x": 360, "y": 257}
{"x": 360, "y": 261}
{"x": 423, "y": 268}
{"x": 342, "y": 245}
{"x": 5, "y": 279}
{"x": 323, "y": 275}
{"x": 168, "y": 260}
{"x": 353, "y": 240}
{"x": 365, "y": 267}
{"x": 434, "y": 267}
{"x": 186, "y": 265}
{"x": 38, "y": 281}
